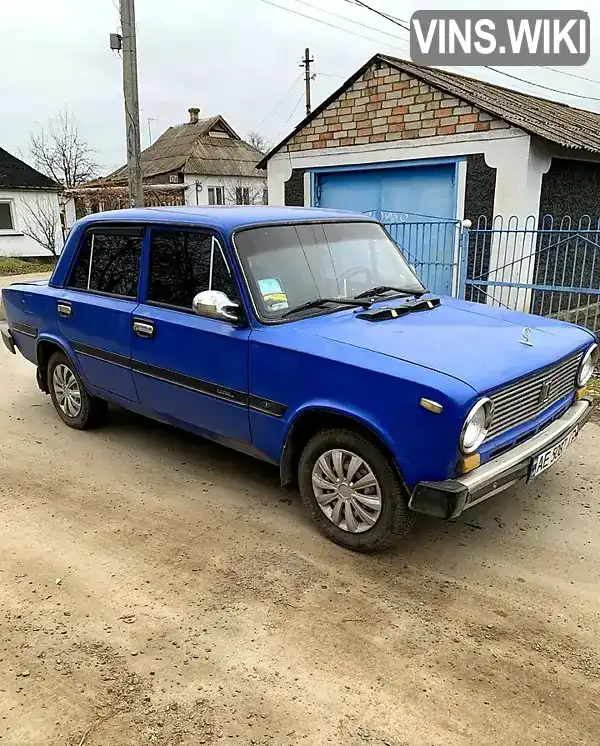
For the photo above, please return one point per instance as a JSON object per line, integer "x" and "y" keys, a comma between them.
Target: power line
{"x": 287, "y": 121}
{"x": 281, "y": 100}
{"x": 331, "y": 75}
{"x": 349, "y": 20}
{"x": 540, "y": 85}
{"x": 392, "y": 19}
{"x": 326, "y": 23}
{"x": 571, "y": 75}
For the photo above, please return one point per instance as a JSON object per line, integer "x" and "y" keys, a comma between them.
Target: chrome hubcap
{"x": 347, "y": 490}
{"x": 66, "y": 390}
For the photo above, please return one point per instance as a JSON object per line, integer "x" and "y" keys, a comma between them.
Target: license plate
{"x": 546, "y": 459}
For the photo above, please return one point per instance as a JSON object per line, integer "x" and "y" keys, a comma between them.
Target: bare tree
{"x": 244, "y": 192}
{"x": 41, "y": 222}
{"x": 258, "y": 141}
{"x": 60, "y": 152}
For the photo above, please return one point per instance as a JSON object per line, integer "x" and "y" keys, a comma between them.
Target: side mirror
{"x": 216, "y": 304}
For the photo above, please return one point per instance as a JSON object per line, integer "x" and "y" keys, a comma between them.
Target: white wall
{"x": 15, "y": 242}
{"x": 229, "y": 183}
{"x": 504, "y": 149}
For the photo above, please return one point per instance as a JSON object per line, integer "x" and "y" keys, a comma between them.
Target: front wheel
{"x": 74, "y": 405}
{"x": 353, "y": 491}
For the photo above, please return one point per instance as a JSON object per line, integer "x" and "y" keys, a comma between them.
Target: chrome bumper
{"x": 450, "y": 498}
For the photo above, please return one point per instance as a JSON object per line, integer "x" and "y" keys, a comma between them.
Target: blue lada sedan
{"x": 303, "y": 337}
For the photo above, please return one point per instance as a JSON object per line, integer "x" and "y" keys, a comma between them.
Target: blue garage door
{"x": 426, "y": 193}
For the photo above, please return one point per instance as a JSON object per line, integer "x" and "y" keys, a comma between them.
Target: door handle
{"x": 144, "y": 329}
{"x": 64, "y": 309}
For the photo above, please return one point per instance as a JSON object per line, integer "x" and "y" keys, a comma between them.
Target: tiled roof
{"x": 190, "y": 148}
{"x": 559, "y": 123}
{"x": 15, "y": 174}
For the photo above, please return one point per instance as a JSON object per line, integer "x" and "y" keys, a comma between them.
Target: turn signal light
{"x": 468, "y": 463}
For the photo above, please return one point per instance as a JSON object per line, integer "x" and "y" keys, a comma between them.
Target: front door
{"x": 96, "y": 307}
{"x": 190, "y": 369}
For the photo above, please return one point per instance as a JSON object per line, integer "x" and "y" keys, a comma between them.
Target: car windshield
{"x": 289, "y": 265}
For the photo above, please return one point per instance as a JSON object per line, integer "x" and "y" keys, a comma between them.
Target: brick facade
{"x": 384, "y": 105}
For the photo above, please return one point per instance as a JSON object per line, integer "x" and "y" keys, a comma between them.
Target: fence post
{"x": 463, "y": 258}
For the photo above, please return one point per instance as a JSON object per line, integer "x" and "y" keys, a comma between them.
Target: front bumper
{"x": 450, "y": 498}
{"x": 7, "y": 338}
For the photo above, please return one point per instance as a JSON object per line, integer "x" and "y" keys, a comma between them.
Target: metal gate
{"x": 430, "y": 244}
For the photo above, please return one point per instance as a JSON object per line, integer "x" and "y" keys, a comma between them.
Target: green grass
{"x": 14, "y": 266}
{"x": 593, "y": 387}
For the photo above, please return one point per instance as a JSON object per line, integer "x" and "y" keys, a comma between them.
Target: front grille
{"x": 524, "y": 399}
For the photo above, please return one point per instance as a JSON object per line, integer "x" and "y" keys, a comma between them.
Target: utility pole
{"x": 306, "y": 63}
{"x": 132, "y": 104}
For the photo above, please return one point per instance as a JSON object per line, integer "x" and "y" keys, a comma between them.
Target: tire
{"x": 367, "y": 528}
{"x": 79, "y": 410}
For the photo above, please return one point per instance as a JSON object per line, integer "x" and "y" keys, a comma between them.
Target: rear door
{"x": 95, "y": 309}
{"x": 190, "y": 369}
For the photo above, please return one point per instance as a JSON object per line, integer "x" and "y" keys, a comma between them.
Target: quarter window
{"x": 108, "y": 263}
{"x": 182, "y": 264}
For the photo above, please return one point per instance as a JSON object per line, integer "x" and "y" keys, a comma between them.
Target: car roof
{"x": 228, "y": 218}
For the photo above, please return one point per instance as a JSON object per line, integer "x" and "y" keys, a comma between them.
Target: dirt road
{"x": 158, "y": 589}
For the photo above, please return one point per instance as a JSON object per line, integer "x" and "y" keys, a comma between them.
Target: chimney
{"x": 194, "y": 114}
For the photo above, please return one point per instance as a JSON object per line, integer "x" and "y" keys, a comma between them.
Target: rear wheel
{"x": 353, "y": 491}
{"x": 74, "y": 405}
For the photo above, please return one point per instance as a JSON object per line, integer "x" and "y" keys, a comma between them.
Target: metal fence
{"x": 545, "y": 267}
{"x": 549, "y": 268}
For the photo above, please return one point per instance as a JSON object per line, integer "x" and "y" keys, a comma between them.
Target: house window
{"x": 265, "y": 197}
{"x": 108, "y": 263}
{"x": 182, "y": 264}
{"x": 6, "y": 217}
{"x": 173, "y": 178}
{"x": 216, "y": 196}
{"x": 242, "y": 195}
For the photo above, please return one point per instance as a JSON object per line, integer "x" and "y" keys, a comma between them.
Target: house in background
{"x": 30, "y": 224}
{"x": 201, "y": 162}
{"x": 411, "y": 139}
{"x": 424, "y": 149}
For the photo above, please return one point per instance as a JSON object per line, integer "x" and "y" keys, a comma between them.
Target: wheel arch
{"x": 313, "y": 419}
{"x": 46, "y": 347}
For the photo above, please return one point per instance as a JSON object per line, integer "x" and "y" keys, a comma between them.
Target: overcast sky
{"x": 233, "y": 57}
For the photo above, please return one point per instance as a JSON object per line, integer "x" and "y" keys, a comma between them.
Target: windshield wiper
{"x": 318, "y": 302}
{"x": 380, "y": 289}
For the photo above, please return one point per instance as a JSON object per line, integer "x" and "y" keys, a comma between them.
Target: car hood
{"x": 474, "y": 343}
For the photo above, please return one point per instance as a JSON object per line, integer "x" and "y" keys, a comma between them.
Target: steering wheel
{"x": 345, "y": 277}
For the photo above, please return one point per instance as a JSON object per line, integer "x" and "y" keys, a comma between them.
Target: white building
{"x": 200, "y": 162}
{"x": 29, "y": 210}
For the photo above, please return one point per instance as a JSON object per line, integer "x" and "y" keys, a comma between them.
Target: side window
{"x": 108, "y": 263}
{"x": 182, "y": 264}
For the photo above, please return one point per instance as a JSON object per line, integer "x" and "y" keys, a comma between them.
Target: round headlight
{"x": 588, "y": 364}
{"x": 476, "y": 426}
